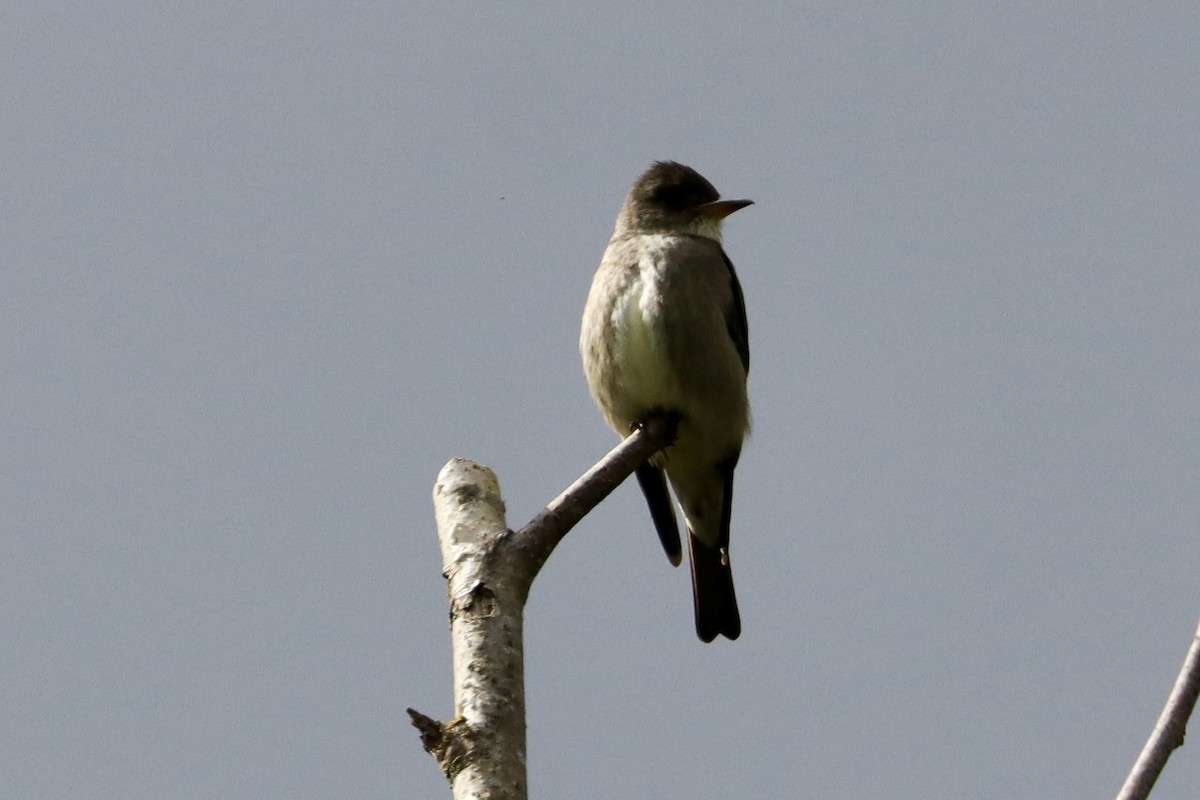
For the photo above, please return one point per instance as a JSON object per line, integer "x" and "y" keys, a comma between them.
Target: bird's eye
{"x": 672, "y": 196}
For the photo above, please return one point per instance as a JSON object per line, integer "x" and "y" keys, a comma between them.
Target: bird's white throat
{"x": 707, "y": 227}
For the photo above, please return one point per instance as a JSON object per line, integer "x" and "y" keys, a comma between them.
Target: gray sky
{"x": 266, "y": 268}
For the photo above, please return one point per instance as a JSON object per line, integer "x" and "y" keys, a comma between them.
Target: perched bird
{"x": 664, "y": 331}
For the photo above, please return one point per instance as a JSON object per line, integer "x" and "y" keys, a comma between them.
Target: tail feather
{"x": 712, "y": 576}
{"x": 712, "y": 591}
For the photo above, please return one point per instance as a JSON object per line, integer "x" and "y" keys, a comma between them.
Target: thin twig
{"x": 1170, "y": 729}
{"x": 543, "y": 533}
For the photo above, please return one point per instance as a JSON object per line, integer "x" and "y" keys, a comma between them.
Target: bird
{"x": 664, "y": 332}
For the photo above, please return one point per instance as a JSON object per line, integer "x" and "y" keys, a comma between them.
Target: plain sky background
{"x": 266, "y": 267}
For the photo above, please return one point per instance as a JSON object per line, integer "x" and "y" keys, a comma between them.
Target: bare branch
{"x": 489, "y": 570}
{"x": 543, "y": 533}
{"x": 1170, "y": 729}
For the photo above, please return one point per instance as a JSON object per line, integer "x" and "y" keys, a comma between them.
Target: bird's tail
{"x": 712, "y": 591}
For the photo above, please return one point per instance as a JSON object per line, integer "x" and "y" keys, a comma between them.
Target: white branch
{"x": 489, "y": 570}
{"x": 488, "y": 755}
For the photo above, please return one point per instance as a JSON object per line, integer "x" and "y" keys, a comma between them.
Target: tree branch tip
{"x": 464, "y": 470}
{"x": 427, "y": 726}
{"x": 464, "y": 482}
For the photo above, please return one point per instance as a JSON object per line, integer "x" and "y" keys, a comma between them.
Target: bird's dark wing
{"x": 653, "y": 481}
{"x": 735, "y": 316}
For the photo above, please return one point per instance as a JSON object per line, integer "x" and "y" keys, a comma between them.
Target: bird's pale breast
{"x": 648, "y": 378}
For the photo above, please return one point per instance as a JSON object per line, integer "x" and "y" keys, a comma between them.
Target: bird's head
{"x": 671, "y": 197}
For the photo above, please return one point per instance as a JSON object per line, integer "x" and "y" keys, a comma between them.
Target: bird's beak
{"x": 720, "y": 209}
